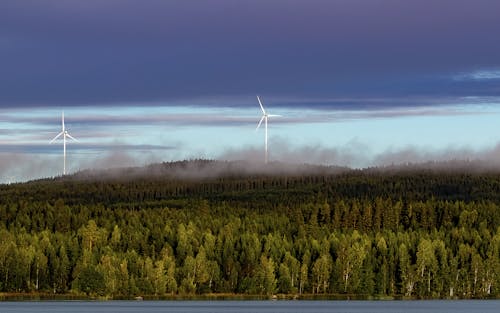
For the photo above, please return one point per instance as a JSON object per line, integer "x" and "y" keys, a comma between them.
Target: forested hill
{"x": 428, "y": 230}
{"x": 271, "y": 185}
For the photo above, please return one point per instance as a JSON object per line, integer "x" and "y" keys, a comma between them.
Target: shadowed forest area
{"x": 414, "y": 232}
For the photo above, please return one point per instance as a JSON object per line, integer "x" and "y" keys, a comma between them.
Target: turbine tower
{"x": 264, "y": 118}
{"x": 64, "y": 133}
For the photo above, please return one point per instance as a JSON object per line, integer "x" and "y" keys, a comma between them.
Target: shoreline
{"x": 41, "y": 296}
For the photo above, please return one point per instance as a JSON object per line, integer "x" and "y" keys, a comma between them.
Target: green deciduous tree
{"x": 265, "y": 275}
{"x": 321, "y": 272}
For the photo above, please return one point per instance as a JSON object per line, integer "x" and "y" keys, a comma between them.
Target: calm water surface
{"x": 431, "y": 306}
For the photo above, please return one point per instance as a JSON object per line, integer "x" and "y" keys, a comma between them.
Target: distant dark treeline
{"x": 420, "y": 233}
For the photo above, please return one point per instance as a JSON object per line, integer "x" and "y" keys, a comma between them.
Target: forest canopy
{"x": 197, "y": 227}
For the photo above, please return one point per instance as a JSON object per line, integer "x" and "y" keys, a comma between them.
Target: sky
{"x": 358, "y": 82}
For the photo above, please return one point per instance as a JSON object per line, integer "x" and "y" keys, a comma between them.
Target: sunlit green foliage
{"x": 431, "y": 235}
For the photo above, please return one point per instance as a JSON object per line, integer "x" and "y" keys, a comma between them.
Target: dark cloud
{"x": 126, "y": 51}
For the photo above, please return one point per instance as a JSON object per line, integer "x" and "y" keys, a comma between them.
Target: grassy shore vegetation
{"x": 370, "y": 233}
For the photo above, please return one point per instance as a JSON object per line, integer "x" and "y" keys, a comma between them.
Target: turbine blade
{"x": 260, "y": 122}
{"x": 71, "y": 137}
{"x": 274, "y": 115}
{"x": 63, "y": 121}
{"x": 261, "y": 106}
{"x": 58, "y": 135}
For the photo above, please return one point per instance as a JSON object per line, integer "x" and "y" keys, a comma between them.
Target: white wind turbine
{"x": 264, "y": 118}
{"x": 65, "y": 134}
{"x": 11, "y": 179}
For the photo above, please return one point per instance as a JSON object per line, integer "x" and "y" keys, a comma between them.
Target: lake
{"x": 429, "y": 306}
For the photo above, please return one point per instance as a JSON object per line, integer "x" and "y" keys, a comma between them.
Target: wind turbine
{"x": 264, "y": 118}
{"x": 10, "y": 179}
{"x": 65, "y": 134}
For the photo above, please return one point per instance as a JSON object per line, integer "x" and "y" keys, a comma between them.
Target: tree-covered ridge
{"x": 415, "y": 233}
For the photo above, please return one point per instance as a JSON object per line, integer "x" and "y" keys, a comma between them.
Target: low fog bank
{"x": 207, "y": 169}
{"x": 248, "y": 161}
{"x": 190, "y": 170}
{"x": 357, "y": 155}
{"x": 18, "y": 167}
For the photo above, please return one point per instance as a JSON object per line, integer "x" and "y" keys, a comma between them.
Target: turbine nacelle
{"x": 265, "y": 115}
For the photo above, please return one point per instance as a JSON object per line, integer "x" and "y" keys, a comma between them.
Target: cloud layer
{"x": 55, "y": 53}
